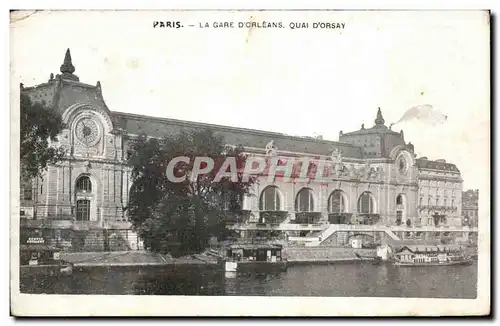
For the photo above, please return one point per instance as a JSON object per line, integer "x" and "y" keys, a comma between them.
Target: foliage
{"x": 39, "y": 126}
{"x": 180, "y": 217}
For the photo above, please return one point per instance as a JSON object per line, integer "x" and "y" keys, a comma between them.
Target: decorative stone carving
{"x": 366, "y": 170}
{"x": 88, "y": 166}
{"x": 353, "y": 172}
{"x": 271, "y": 150}
{"x": 336, "y": 156}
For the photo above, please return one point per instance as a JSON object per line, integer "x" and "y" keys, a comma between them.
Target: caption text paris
{"x": 262, "y": 24}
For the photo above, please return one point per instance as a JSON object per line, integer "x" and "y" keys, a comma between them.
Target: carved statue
{"x": 353, "y": 173}
{"x": 88, "y": 166}
{"x": 367, "y": 170}
{"x": 336, "y": 156}
{"x": 271, "y": 150}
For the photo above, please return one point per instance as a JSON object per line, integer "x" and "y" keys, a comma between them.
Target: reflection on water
{"x": 302, "y": 280}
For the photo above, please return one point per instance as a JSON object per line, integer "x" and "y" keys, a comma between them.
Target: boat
{"x": 435, "y": 255}
{"x": 367, "y": 258}
{"x": 254, "y": 258}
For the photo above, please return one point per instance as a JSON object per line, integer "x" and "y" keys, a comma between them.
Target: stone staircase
{"x": 337, "y": 229}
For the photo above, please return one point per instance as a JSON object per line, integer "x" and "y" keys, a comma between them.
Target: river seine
{"x": 333, "y": 280}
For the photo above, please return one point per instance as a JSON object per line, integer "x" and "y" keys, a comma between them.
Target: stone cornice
{"x": 73, "y": 159}
{"x": 441, "y": 178}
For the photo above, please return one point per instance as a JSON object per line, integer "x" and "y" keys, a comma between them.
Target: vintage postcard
{"x": 250, "y": 163}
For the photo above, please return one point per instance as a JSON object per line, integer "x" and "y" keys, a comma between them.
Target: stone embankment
{"x": 132, "y": 258}
{"x": 143, "y": 258}
{"x": 326, "y": 254}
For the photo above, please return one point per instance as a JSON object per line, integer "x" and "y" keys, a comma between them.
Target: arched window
{"x": 336, "y": 202}
{"x": 270, "y": 199}
{"x": 399, "y": 200}
{"x": 421, "y": 201}
{"x": 84, "y": 184}
{"x": 366, "y": 203}
{"x": 304, "y": 201}
{"x": 453, "y": 203}
{"x": 444, "y": 202}
{"x": 437, "y": 201}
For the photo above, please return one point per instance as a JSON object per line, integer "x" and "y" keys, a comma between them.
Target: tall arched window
{"x": 453, "y": 203}
{"x": 336, "y": 202}
{"x": 444, "y": 202}
{"x": 83, "y": 184}
{"x": 421, "y": 201}
{"x": 304, "y": 201}
{"x": 399, "y": 200}
{"x": 270, "y": 199}
{"x": 366, "y": 204}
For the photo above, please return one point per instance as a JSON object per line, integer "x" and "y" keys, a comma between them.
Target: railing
{"x": 438, "y": 208}
{"x": 369, "y": 219}
{"x": 281, "y": 227}
{"x": 339, "y": 218}
{"x": 60, "y": 217}
{"x": 303, "y": 239}
{"x": 241, "y": 216}
{"x": 272, "y": 216}
{"x": 307, "y": 217}
{"x": 67, "y": 221}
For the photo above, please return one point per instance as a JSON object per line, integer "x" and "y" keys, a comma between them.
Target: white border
{"x": 242, "y": 306}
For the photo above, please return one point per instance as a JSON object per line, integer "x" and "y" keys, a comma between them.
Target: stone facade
{"x": 440, "y": 188}
{"x": 373, "y": 174}
{"x": 470, "y": 210}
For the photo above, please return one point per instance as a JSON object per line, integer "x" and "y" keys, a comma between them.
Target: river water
{"x": 332, "y": 280}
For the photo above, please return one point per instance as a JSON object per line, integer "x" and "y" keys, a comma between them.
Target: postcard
{"x": 250, "y": 163}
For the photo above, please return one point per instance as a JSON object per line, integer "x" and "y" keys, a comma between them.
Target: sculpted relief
{"x": 340, "y": 170}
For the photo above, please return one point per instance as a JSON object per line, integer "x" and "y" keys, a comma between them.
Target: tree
{"x": 182, "y": 216}
{"x": 39, "y": 126}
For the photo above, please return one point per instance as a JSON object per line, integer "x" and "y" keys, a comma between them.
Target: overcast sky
{"x": 301, "y": 82}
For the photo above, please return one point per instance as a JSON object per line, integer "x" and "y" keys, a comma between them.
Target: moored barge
{"x": 258, "y": 258}
{"x": 420, "y": 256}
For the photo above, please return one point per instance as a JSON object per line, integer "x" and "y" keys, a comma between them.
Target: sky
{"x": 303, "y": 82}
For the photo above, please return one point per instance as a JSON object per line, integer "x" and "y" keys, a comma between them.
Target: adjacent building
{"x": 373, "y": 175}
{"x": 470, "y": 209}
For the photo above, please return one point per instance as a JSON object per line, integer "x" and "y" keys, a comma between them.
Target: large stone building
{"x": 374, "y": 177}
{"x": 470, "y": 208}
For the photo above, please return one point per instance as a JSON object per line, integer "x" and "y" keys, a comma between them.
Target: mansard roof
{"x": 424, "y": 163}
{"x": 378, "y": 128}
{"x": 135, "y": 124}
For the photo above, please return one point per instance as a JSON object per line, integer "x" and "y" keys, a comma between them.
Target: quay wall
{"x": 325, "y": 254}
